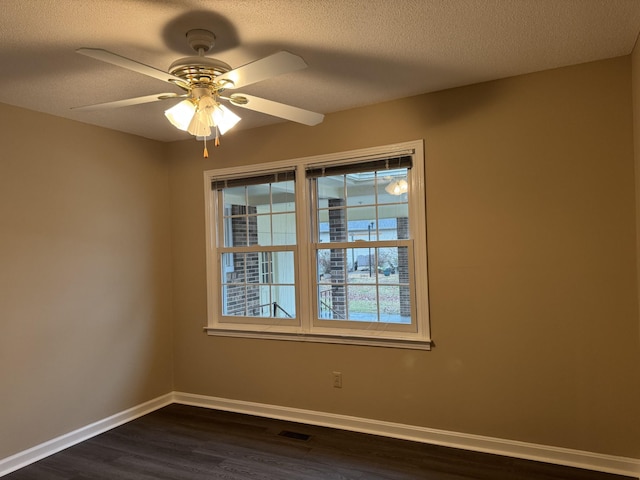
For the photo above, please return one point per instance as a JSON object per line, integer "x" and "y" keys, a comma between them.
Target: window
{"x": 321, "y": 249}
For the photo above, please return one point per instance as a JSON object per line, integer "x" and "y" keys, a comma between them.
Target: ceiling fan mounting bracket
{"x": 200, "y": 39}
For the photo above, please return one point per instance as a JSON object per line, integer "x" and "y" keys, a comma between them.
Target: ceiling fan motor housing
{"x": 199, "y": 71}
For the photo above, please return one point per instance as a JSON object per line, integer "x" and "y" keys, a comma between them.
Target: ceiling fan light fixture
{"x": 198, "y": 115}
{"x": 180, "y": 114}
{"x": 224, "y": 119}
{"x": 201, "y": 123}
{"x": 207, "y": 104}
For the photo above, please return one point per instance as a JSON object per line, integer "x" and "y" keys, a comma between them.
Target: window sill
{"x": 316, "y": 338}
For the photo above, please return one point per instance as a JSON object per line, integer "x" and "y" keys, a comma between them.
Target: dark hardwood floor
{"x": 184, "y": 442}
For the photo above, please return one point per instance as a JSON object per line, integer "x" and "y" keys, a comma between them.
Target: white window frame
{"x": 305, "y": 327}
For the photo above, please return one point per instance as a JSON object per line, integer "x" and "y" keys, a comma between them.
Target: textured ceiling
{"x": 359, "y": 52}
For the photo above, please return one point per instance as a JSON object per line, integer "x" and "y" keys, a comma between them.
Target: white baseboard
{"x": 510, "y": 448}
{"x": 27, "y": 457}
{"x": 530, "y": 451}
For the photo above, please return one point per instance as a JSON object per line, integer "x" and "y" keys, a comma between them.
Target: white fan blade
{"x": 114, "y": 59}
{"x": 276, "y": 109}
{"x": 258, "y": 70}
{"x": 129, "y": 101}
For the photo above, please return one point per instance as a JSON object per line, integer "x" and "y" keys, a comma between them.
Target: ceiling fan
{"x": 205, "y": 81}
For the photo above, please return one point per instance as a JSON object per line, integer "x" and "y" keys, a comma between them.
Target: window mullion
{"x": 305, "y": 258}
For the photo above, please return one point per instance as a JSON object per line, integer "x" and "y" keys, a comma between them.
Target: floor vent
{"x": 294, "y": 435}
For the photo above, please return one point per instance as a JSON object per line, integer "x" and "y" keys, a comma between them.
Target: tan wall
{"x": 532, "y": 259}
{"x": 635, "y": 79}
{"x": 85, "y": 287}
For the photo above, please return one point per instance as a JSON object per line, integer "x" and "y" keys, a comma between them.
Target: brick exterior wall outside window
{"x": 243, "y": 288}
{"x": 338, "y": 233}
{"x": 403, "y": 268}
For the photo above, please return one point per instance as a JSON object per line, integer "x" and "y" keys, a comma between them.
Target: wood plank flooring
{"x": 183, "y": 442}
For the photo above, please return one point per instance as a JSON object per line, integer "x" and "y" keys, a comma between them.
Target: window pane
{"x": 236, "y": 228}
{"x": 392, "y": 186}
{"x": 235, "y": 196}
{"x": 266, "y": 267}
{"x": 387, "y": 266}
{"x": 283, "y": 301}
{"x": 254, "y": 281}
{"x": 283, "y": 197}
{"x": 351, "y": 257}
{"x": 233, "y": 303}
{"x": 284, "y": 229}
{"x": 338, "y": 263}
{"x": 227, "y": 236}
{"x": 325, "y": 306}
{"x": 248, "y": 215}
{"x": 363, "y": 192}
{"x": 364, "y": 258}
{"x": 232, "y": 267}
{"x": 322, "y": 221}
{"x": 263, "y": 223}
{"x": 259, "y": 196}
{"x": 253, "y": 301}
{"x": 377, "y": 291}
{"x": 283, "y": 271}
{"x": 361, "y": 223}
{"x": 331, "y": 265}
{"x": 332, "y": 271}
{"x": 403, "y": 265}
{"x": 252, "y": 267}
{"x": 265, "y": 301}
{"x": 330, "y": 188}
{"x": 394, "y": 222}
{"x": 361, "y": 189}
{"x": 323, "y": 265}
{"x": 228, "y": 263}
{"x": 277, "y": 229}
{"x": 363, "y": 303}
{"x": 392, "y": 307}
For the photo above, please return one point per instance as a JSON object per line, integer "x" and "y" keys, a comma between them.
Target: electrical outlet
{"x": 337, "y": 379}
